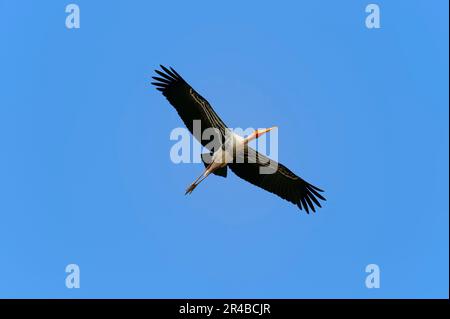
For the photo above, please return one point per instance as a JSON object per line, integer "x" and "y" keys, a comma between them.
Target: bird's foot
{"x": 190, "y": 189}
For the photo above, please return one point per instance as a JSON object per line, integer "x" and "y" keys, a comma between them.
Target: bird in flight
{"x": 233, "y": 151}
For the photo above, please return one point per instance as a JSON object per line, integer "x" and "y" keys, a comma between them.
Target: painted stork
{"x": 191, "y": 106}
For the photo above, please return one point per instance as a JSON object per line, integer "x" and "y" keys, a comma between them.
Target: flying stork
{"x": 243, "y": 160}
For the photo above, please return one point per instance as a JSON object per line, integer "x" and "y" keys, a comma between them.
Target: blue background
{"x": 86, "y": 176}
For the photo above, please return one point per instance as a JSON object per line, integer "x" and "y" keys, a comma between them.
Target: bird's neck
{"x": 250, "y": 138}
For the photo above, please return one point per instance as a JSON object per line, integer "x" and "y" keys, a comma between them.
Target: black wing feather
{"x": 283, "y": 182}
{"x": 188, "y": 103}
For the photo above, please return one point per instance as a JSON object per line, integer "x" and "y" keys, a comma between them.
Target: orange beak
{"x": 263, "y": 131}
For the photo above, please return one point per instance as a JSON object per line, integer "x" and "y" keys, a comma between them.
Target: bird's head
{"x": 257, "y": 133}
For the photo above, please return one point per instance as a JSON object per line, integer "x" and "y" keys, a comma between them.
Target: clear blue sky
{"x": 86, "y": 177}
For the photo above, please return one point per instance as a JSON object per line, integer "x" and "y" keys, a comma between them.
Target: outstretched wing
{"x": 188, "y": 103}
{"x": 281, "y": 182}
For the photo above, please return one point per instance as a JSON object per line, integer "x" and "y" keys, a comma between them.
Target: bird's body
{"x": 233, "y": 151}
{"x": 224, "y": 155}
{"x": 219, "y": 159}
